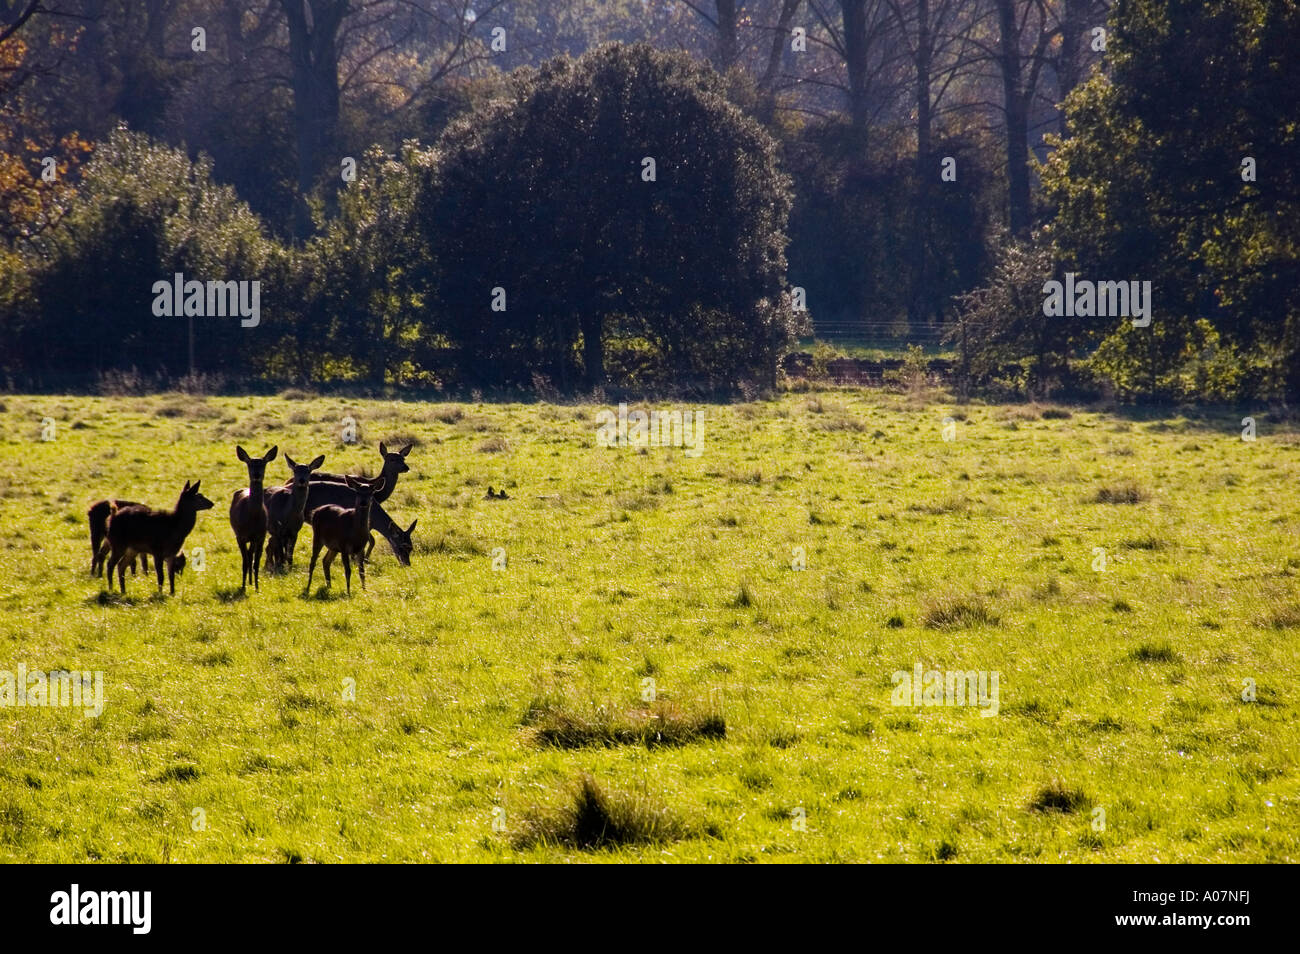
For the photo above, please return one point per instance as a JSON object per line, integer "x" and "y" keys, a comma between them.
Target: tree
{"x": 1154, "y": 183}
{"x": 613, "y": 214}
{"x": 143, "y": 212}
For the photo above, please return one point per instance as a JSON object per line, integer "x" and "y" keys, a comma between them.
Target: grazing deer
{"x": 323, "y": 494}
{"x": 159, "y": 533}
{"x": 394, "y": 464}
{"x": 248, "y": 516}
{"x": 98, "y": 516}
{"x": 344, "y": 531}
{"x": 398, "y": 539}
{"x": 285, "y": 512}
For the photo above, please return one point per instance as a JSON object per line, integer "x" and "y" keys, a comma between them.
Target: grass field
{"x": 506, "y": 715}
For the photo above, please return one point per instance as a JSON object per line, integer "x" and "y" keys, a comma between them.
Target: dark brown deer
{"x": 159, "y": 533}
{"x": 97, "y": 516}
{"x": 394, "y": 464}
{"x": 285, "y": 512}
{"x": 324, "y": 493}
{"x": 248, "y": 516}
{"x": 344, "y": 531}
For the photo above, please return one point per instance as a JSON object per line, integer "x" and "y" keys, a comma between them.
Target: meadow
{"x": 625, "y": 662}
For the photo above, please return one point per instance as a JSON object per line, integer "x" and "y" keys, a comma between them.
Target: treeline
{"x": 427, "y": 197}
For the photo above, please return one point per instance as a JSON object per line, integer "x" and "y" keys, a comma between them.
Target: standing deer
{"x": 394, "y": 464}
{"x": 97, "y": 516}
{"x": 159, "y": 533}
{"x": 344, "y": 531}
{"x": 285, "y": 511}
{"x": 248, "y": 516}
{"x": 323, "y": 494}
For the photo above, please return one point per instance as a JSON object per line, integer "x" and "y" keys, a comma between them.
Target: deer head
{"x": 302, "y": 472}
{"x": 256, "y": 465}
{"x": 191, "y": 499}
{"x": 394, "y": 461}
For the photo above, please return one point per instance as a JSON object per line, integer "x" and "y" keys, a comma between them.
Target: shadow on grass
{"x": 230, "y": 594}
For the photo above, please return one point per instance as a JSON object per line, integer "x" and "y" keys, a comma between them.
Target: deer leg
{"x": 108, "y": 576}
{"x": 347, "y": 571}
{"x": 257, "y": 563}
{"x": 329, "y": 558}
{"x": 361, "y": 569}
{"x": 315, "y": 552}
{"x": 171, "y": 572}
{"x": 243, "y": 564}
{"x": 158, "y": 565}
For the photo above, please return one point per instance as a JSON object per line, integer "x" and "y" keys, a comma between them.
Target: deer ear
{"x": 187, "y": 488}
{"x": 195, "y": 488}
{"x": 383, "y": 450}
{"x": 319, "y": 461}
{"x": 241, "y": 453}
{"x": 411, "y": 529}
{"x": 289, "y": 460}
{"x": 270, "y": 455}
{"x": 407, "y": 449}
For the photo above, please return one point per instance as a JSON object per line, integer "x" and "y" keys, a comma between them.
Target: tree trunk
{"x": 313, "y": 52}
{"x": 593, "y": 349}
{"x": 1016, "y": 106}
{"x": 727, "y": 43}
{"x": 924, "y": 171}
{"x": 855, "y": 57}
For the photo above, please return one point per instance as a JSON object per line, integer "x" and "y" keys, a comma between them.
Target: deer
{"x": 285, "y": 511}
{"x": 344, "y": 531}
{"x": 323, "y": 494}
{"x": 159, "y": 533}
{"x": 98, "y": 515}
{"x": 394, "y": 464}
{"x": 248, "y": 516}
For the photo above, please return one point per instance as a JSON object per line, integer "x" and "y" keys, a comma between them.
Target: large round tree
{"x": 614, "y": 218}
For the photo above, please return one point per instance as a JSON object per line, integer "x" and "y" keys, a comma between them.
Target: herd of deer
{"x": 341, "y": 509}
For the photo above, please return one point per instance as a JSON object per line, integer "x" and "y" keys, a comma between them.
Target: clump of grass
{"x": 449, "y": 415}
{"x": 1154, "y": 652}
{"x": 592, "y": 819}
{"x": 894, "y": 622}
{"x": 178, "y": 773}
{"x": 401, "y": 439}
{"x": 1121, "y": 606}
{"x": 1058, "y": 797}
{"x": 958, "y": 612}
{"x": 296, "y": 394}
{"x": 494, "y": 445}
{"x": 657, "y": 725}
{"x": 1056, "y": 414}
{"x": 744, "y": 597}
{"x": 1127, "y": 493}
{"x": 1148, "y": 542}
{"x": 955, "y": 504}
{"x": 1282, "y": 616}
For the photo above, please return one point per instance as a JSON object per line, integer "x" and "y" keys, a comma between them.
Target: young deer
{"x": 248, "y": 516}
{"x": 394, "y": 464}
{"x": 159, "y": 533}
{"x": 324, "y": 494}
{"x": 97, "y": 516}
{"x": 285, "y": 512}
{"x": 344, "y": 531}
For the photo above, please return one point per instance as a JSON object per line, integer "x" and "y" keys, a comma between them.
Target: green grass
{"x": 649, "y": 678}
